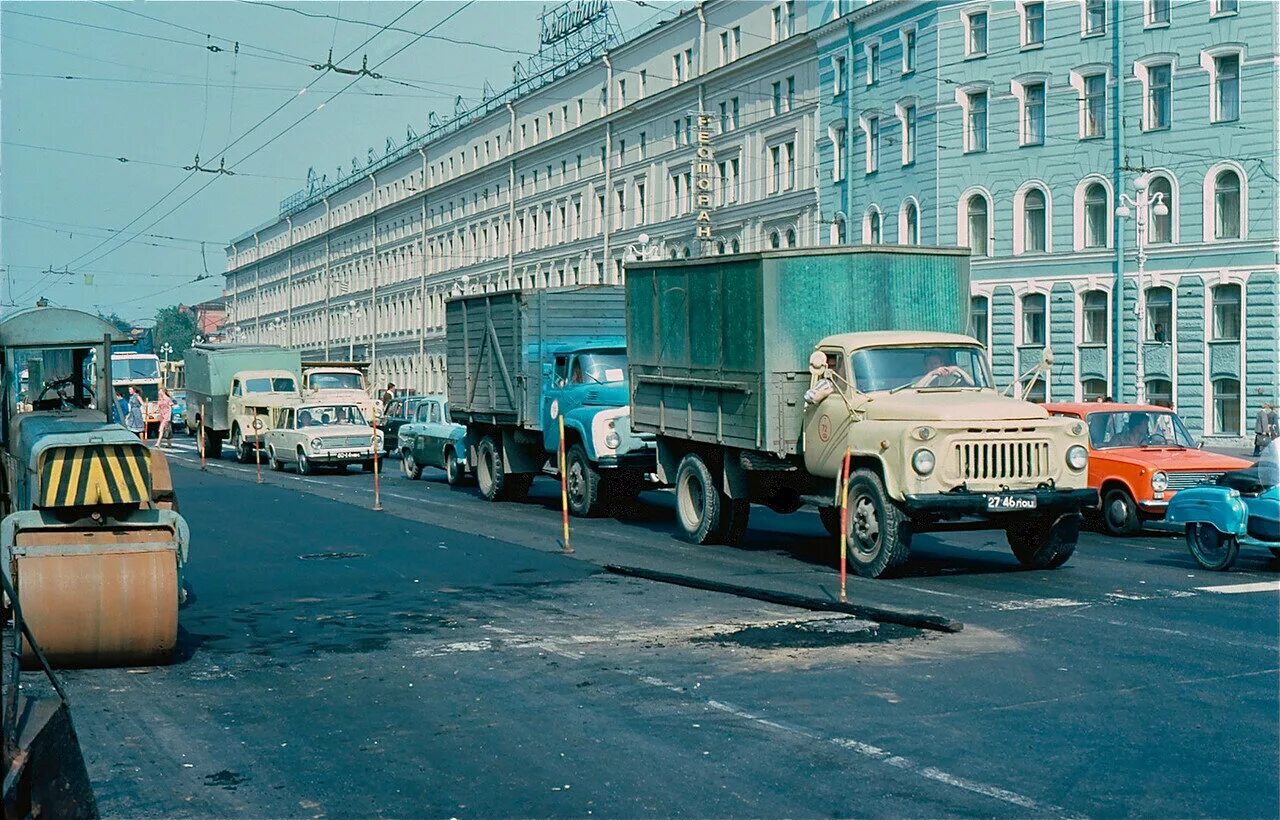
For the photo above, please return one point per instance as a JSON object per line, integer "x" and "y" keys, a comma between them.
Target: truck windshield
{"x": 604, "y": 367}
{"x": 124, "y": 370}
{"x": 944, "y": 366}
{"x": 266, "y": 385}
{"x": 335, "y": 381}
{"x": 1137, "y": 429}
{"x": 329, "y": 414}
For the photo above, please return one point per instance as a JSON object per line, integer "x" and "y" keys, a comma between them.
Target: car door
{"x": 433, "y": 436}
{"x": 420, "y": 435}
{"x": 275, "y": 439}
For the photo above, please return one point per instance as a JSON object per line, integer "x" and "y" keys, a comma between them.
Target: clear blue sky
{"x": 150, "y": 91}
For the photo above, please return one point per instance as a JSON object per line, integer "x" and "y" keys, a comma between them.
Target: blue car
{"x": 1241, "y": 509}
{"x": 430, "y": 439}
{"x": 179, "y": 410}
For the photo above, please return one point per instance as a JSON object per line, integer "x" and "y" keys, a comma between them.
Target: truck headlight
{"x": 923, "y": 461}
{"x": 612, "y": 440}
{"x": 1159, "y": 481}
{"x": 317, "y": 443}
{"x": 1077, "y": 457}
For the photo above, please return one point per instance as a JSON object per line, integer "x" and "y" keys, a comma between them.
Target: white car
{"x": 322, "y": 435}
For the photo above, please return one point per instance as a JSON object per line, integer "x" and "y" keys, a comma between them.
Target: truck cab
{"x": 338, "y": 383}
{"x": 588, "y": 386}
{"x": 253, "y": 398}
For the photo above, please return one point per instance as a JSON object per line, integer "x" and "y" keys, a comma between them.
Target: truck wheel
{"x": 582, "y": 482}
{"x": 212, "y": 444}
{"x": 1044, "y": 542}
{"x": 830, "y": 517}
{"x": 1120, "y": 513}
{"x": 1212, "y": 549}
{"x": 454, "y": 473}
{"x": 879, "y": 534}
{"x": 409, "y": 467}
{"x": 495, "y": 483}
{"x": 697, "y": 501}
{"x": 239, "y": 448}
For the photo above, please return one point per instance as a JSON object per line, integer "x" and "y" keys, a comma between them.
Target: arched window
{"x": 736, "y": 246}
{"x": 872, "y": 231}
{"x": 1226, "y": 205}
{"x": 1033, "y": 319}
{"x": 1094, "y": 317}
{"x": 1095, "y": 216}
{"x": 1159, "y": 314}
{"x": 1160, "y": 228}
{"x": 1034, "y": 224}
{"x": 775, "y": 240}
{"x": 838, "y": 235}
{"x": 791, "y": 237}
{"x": 909, "y": 230}
{"x": 1226, "y": 406}
{"x": 1226, "y": 313}
{"x": 1093, "y": 389}
{"x": 979, "y": 310}
{"x": 977, "y": 219}
{"x": 1160, "y": 391}
{"x": 720, "y": 248}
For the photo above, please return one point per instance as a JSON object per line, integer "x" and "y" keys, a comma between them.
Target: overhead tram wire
{"x": 123, "y": 160}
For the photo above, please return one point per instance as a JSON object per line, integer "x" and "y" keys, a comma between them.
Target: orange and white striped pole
{"x": 564, "y": 490}
{"x": 257, "y": 445}
{"x": 844, "y": 522}
{"x": 373, "y": 440}
{"x": 200, "y": 443}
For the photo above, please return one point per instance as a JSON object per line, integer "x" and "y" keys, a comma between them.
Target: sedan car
{"x": 398, "y": 413}
{"x": 179, "y": 409}
{"x": 314, "y": 435}
{"x": 431, "y": 440}
{"x": 1140, "y": 455}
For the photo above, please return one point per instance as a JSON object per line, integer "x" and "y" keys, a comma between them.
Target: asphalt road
{"x": 441, "y": 658}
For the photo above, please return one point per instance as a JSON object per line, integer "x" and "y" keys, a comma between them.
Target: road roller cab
{"x": 90, "y": 539}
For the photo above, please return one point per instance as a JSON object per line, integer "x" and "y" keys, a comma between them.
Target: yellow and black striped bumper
{"x": 95, "y": 474}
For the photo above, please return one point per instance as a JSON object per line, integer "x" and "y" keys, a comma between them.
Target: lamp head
{"x": 1141, "y": 183}
{"x": 1160, "y": 209}
{"x": 1123, "y": 211}
{"x": 643, "y": 238}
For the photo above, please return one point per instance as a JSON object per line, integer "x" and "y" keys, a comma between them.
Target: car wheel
{"x": 454, "y": 472}
{"x": 409, "y": 467}
{"x": 304, "y": 463}
{"x": 275, "y": 463}
{"x": 1120, "y": 513}
{"x": 879, "y": 533}
{"x": 1212, "y": 549}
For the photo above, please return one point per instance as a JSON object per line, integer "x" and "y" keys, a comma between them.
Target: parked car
{"x": 1140, "y": 455}
{"x": 313, "y": 435}
{"x": 431, "y": 440}
{"x": 398, "y": 412}
{"x": 1241, "y": 508}
{"x": 179, "y": 410}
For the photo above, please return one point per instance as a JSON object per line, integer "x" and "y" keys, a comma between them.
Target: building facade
{"x": 1014, "y": 128}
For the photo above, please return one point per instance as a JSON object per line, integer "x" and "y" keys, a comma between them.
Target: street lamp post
{"x": 165, "y": 350}
{"x": 352, "y": 312}
{"x": 1140, "y": 207}
{"x": 648, "y": 249}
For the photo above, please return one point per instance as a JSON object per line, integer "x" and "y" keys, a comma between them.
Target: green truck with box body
{"x": 757, "y": 372}
{"x": 232, "y": 390}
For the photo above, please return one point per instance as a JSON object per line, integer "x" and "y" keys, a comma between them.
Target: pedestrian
{"x": 1160, "y": 334}
{"x": 119, "y": 409}
{"x": 388, "y": 395}
{"x": 133, "y": 418}
{"x": 1266, "y": 428}
{"x": 164, "y": 405}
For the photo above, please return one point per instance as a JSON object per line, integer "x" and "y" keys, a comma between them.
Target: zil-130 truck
{"x": 757, "y": 372}
{"x": 518, "y": 362}
{"x": 235, "y": 389}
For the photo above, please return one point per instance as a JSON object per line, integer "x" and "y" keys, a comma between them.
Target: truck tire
{"x": 830, "y": 517}
{"x": 241, "y": 452}
{"x": 1212, "y": 549}
{"x": 879, "y": 533}
{"x": 496, "y": 484}
{"x": 212, "y": 444}
{"x": 583, "y": 483}
{"x": 1045, "y": 541}
{"x": 698, "y": 501}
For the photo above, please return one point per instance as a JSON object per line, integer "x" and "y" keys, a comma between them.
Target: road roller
{"x": 91, "y": 538}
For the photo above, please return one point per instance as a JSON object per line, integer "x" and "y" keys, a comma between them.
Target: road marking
{"x": 1235, "y": 589}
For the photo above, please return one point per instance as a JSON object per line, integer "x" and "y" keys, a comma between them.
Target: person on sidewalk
{"x": 134, "y": 419}
{"x": 1266, "y": 428}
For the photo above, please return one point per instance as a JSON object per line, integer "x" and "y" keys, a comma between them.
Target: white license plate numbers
{"x": 1010, "y": 503}
{"x": 347, "y": 454}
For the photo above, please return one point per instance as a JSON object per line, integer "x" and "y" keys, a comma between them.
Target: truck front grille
{"x": 999, "y": 460}
{"x": 1183, "y": 480}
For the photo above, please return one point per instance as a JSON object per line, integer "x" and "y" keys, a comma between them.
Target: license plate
{"x": 1010, "y": 503}
{"x": 347, "y": 454}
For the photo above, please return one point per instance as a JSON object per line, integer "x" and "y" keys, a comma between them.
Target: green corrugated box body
{"x": 719, "y": 347}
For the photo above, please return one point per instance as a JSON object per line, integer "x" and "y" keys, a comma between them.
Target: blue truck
{"x": 520, "y": 361}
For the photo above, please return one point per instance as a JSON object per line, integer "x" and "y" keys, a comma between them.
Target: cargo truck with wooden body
{"x": 757, "y": 372}
{"x": 518, "y": 362}
{"x": 235, "y": 389}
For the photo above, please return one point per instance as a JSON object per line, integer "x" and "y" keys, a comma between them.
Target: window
{"x": 1093, "y": 389}
{"x": 978, "y": 311}
{"x": 1226, "y": 205}
{"x": 873, "y": 230}
{"x": 1096, "y": 216}
{"x": 908, "y": 51}
{"x": 775, "y": 240}
{"x": 1226, "y": 88}
{"x": 1159, "y": 96}
{"x": 724, "y": 48}
{"x": 1033, "y": 114}
{"x": 837, "y": 155}
{"x": 736, "y": 45}
{"x": 908, "y": 134}
{"x": 873, "y": 144}
{"x": 790, "y": 101}
{"x": 1032, "y": 24}
{"x": 1159, "y": 311}
{"x": 909, "y": 230}
{"x": 975, "y": 34}
{"x": 975, "y": 131}
{"x": 775, "y": 169}
{"x": 1226, "y": 313}
{"x": 1226, "y": 6}
{"x": 1093, "y": 107}
{"x": 775, "y": 26}
{"x": 644, "y": 81}
{"x": 1095, "y": 18}
{"x": 838, "y": 231}
{"x": 873, "y": 63}
{"x": 1093, "y": 322}
{"x": 1034, "y": 222}
{"x": 641, "y": 209}
{"x": 976, "y": 220}
{"x": 1157, "y": 12}
{"x": 1226, "y": 406}
{"x": 791, "y": 237}
{"x": 1033, "y": 319}
{"x": 1160, "y": 391}
{"x": 644, "y": 149}
{"x": 777, "y": 98}
{"x": 837, "y": 78}
{"x": 1160, "y": 228}
{"x": 789, "y": 156}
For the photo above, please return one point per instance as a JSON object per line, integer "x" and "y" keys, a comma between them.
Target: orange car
{"x": 1139, "y": 456}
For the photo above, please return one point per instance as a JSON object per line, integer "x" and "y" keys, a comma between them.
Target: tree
{"x": 176, "y": 327}
{"x": 114, "y": 318}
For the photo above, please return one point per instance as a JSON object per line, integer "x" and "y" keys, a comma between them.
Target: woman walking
{"x": 134, "y": 419}
{"x": 164, "y": 434}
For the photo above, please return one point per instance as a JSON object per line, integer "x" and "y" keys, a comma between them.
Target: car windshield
{"x": 1137, "y": 428}
{"x": 336, "y": 381}
{"x": 263, "y": 384}
{"x": 943, "y": 366}
{"x": 124, "y": 370}
{"x": 602, "y": 367}
{"x": 324, "y": 415}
